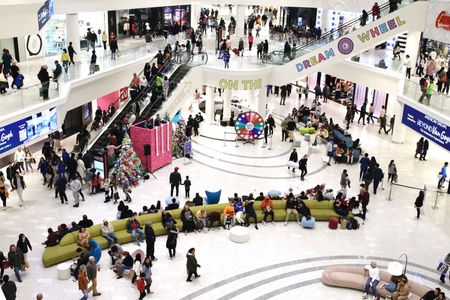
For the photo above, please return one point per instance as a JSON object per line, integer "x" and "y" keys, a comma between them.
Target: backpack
{"x": 352, "y": 224}
{"x": 442, "y": 267}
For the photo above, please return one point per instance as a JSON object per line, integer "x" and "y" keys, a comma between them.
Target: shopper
{"x": 294, "y": 158}
{"x": 107, "y": 230}
{"x": 29, "y": 160}
{"x": 187, "y": 187}
{"x": 175, "y": 181}
{"x": 24, "y": 244}
{"x": 60, "y": 186}
{"x": 91, "y": 270}
{"x": 191, "y": 264}
{"x": 93, "y": 63}
{"x": 9, "y": 288}
{"x": 171, "y": 242}
{"x": 83, "y": 282}
{"x": 423, "y": 154}
{"x": 373, "y": 279}
{"x": 302, "y": 165}
{"x": 150, "y": 239}
{"x": 226, "y": 59}
{"x": 71, "y": 51}
{"x": 442, "y": 176}
{"x": 419, "y": 147}
{"x": 18, "y": 185}
{"x": 392, "y": 172}
{"x": 147, "y": 270}
{"x": 140, "y": 285}
{"x": 419, "y": 203}
{"x": 75, "y": 186}
{"x": 65, "y": 59}
{"x": 16, "y": 260}
{"x": 3, "y": 190}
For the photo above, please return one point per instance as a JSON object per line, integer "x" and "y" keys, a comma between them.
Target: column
{"x": 251, "y": 100}
{"x": 209, "y": 105}
{"x": 240, "y": 19}
{"x": 195, "y": 15}
{"x": 226, "y": 105}
{"x": 324, "y": 20}
{"x": 398, "y": 135}
{"x": 262, "y": 101}
{"x": 412, "y": 47}
{"x": 73, "y": 32}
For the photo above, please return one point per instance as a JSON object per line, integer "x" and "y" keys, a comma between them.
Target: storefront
{"x": 77, "y": 118}
{"x": 55, "y": 31}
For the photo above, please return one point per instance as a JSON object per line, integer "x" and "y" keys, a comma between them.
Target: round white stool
{"x": 63, "y": 271}
{"x": 239, "y": 234}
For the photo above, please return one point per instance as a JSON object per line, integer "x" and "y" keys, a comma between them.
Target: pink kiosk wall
{"x": 160, "y": 140}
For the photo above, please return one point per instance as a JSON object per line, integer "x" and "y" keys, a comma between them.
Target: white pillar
{"x": 412, "y": 46}
{"x": 209, "y": 105}
{"x": 240, "y": 19}
{"x": 251, "y": 100}
{"x": 324, "y": 20}
{"x": 262, "y": 102}
{"x": 73, "y": 32}
{"x": 195, "y": 14}
{"x": 398, "y": 135}
{"x": 226, "y": 105}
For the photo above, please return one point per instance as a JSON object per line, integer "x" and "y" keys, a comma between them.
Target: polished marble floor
{"x": 271, "y": 264}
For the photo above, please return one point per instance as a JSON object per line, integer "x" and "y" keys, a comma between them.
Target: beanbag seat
{"x": 308, "y": 223}
{"x": 213, "y": 197}
{"x": 333, "y": 222}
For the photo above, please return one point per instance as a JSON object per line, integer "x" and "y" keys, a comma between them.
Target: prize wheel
{"x": 249, "y": 125}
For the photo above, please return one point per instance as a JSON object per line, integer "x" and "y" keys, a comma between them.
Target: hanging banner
{"x": 427, "y": 126}
{"x": 438, "y": 21}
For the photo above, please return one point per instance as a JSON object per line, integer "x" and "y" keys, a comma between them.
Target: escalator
{"x": 148, "y": 97}
{"x": 348, "y": 40}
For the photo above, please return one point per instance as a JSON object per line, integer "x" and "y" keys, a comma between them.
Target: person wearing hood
{"x": 191, "y": 265}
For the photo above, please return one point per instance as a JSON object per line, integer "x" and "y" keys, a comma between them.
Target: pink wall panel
{"x": 158, "y": 138}
{"x": 104, "y": 101}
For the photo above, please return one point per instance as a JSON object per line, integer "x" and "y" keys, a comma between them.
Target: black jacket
{"x": 378, "y": 174}
{"x": 9, "y": 289}
{"x": 293, "y": 157}
{"x": 191, "y": 263}
{"x": 291, "y": 125}
{"x": 43, "y": 76}
{"x": 175, "y": 178}
{"x": 14, "y": 182}
{"x": 10, "y": 171}
{"x": 302, "y": 163}
{"x": 149, "y": 234}
{"x": 85, "y": 223}
{"x": 24, "y": 245}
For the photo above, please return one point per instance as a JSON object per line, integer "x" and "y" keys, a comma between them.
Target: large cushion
{"x": 213, "y": 197}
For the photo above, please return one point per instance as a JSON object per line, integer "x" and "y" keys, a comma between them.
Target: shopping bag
{"x": 97, "y": 68}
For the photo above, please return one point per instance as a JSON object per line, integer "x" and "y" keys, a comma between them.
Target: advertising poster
{"x": 26, "y": 130}
{"x": 427, "y": 126}
{"x": 438, "y": 21}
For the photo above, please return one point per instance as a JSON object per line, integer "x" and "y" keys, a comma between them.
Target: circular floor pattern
{"x": 276, "y": 292}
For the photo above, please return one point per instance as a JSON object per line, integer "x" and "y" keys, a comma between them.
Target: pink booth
{"x": 155, "y": 142}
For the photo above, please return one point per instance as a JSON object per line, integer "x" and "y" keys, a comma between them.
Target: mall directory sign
{"x": 28, "y": 129}
{"x": 427, "y": 126}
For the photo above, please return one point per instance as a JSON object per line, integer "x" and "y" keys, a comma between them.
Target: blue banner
{"x": 188, "y": 147}
{"x": 427, "y": 126}
{"x": 25, "y": 130}
{"x": 45, "y": 13}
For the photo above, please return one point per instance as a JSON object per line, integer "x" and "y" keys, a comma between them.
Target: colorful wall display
{"x": 427, "y": 126}
{"x": 438, "y": 21}
{"x": 28, "y": 129}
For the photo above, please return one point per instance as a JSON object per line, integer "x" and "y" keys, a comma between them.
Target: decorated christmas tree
{"x": 128, "y": 167}
{"x": 179, "y": 138}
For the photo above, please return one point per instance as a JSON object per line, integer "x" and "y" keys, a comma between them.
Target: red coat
{"x": 140, "y": 284}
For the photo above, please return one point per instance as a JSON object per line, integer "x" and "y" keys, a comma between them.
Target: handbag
{"x": 97, "y": 68}
{"x": 5, "y": 265}
{"x": 116, "y": 196}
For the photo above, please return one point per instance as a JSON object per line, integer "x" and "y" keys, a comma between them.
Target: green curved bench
{"x": 65, "y": 250}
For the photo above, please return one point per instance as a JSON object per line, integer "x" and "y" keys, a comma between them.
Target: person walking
{"x": 250, "y": 41}
{"x": 191, "y": 265}
{"x": 423, "y": 154}
{"x": 104, "y": 40}
{"x": 383, "y": 124}
{"x": 294, "y": 158}
{"x": 175, "y": 181}
{"x": 71, "y": 52}
{"x": 171, "y": 242}
{"x": 150, "y": 239}
{"x": 419, "y": 147}
{"x": 419, "y": 203}
{"x": 18, "y": 184}
{"x": 3, "y": 190}
{"x": 92, "y": 63}
{"x": 75, "y": 186}
{"x": 147, "y": 270}
{"x": 29, "y": 160}
{"x": 16, "y": 260}
{"x": 24, "y": 244}
{"x": 392, "y": 172}
{"x": 291, "y": 127}
{"x": 60, "y": 186}
{"x": 302, "y": 165}
{"x": 362, "y": 113}
{"x": 65, "y": 59}
{"x": 9, "y": 288}
{"x": 370, "y": 116}
{"x": 377, "y": 178}
{"x": 226, "y": 59}
{"x": 344, "y": 182}
{"x": 364, "y": 165}
{"x": 83, "y": 282}
{"x": 442, "y": 175}
{"x": 91, "y": 270}
{"x": 140, "y": 285}
{"x": 44, "y": 78}
{"x": 391, "y": 125}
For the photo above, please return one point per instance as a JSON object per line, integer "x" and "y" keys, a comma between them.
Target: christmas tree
{"x": 179, "y": 138}
{"x": 128, "y": 167}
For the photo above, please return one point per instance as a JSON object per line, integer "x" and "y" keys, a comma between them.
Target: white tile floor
{"x": 390, "y": 230}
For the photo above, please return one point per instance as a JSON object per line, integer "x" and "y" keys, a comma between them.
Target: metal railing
{"x": 425, "y": 189}
{"x": 438, "y": 101}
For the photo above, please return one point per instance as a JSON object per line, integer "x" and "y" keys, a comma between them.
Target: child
{"x": 95, "y": 183}
{"x": 108, "y": 190}
{"x": 443, "y": 269}
{"x": 187, "y": 187}
{"x": 350, "y": 156}
{"x": 140, "y": 284}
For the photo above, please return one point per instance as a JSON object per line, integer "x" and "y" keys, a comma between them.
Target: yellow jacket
{"x": 65, "y": 57}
